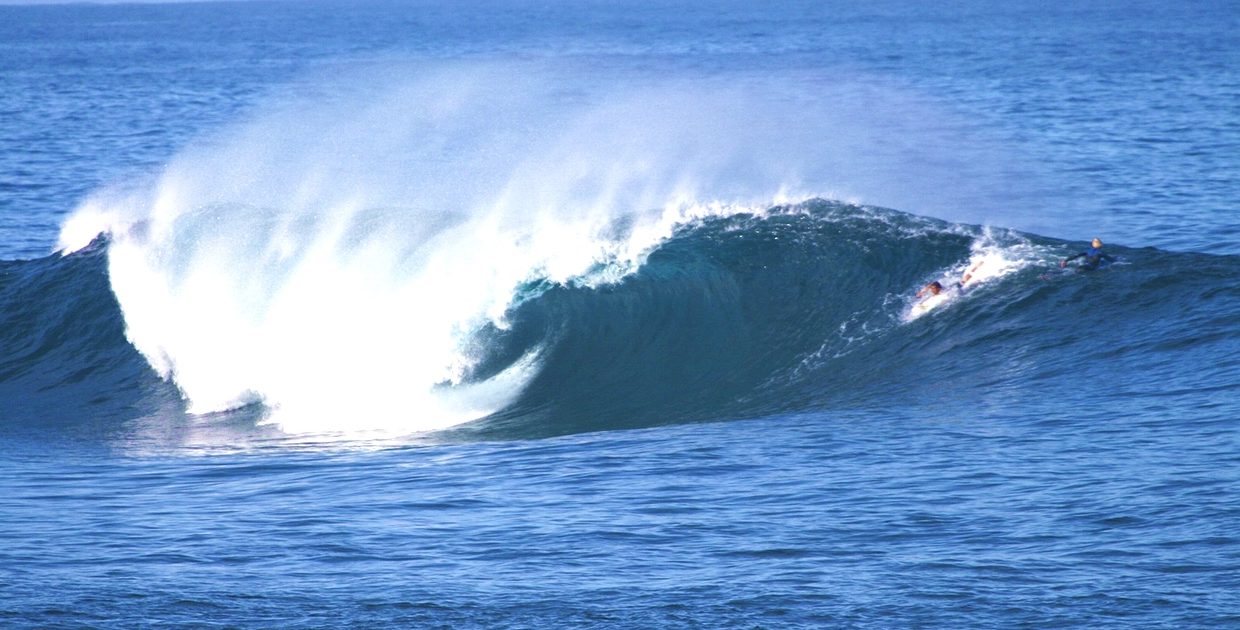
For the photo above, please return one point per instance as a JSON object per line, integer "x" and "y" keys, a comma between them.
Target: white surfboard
{"x": 928, "y": 304}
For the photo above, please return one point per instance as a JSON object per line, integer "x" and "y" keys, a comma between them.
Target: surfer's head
{"x": 934, "y": 287}
{"x": 1097, "y": 243}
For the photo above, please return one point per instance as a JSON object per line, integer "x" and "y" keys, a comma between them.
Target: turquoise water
{"x": 430, "y": 315}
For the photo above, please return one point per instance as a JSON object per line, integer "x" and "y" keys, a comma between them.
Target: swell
{"x": 800, "y": 308}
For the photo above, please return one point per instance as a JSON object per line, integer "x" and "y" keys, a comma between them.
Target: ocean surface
{"x": 602, "y": 315}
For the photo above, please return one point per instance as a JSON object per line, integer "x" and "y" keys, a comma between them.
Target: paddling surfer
{"x": 1093, "y": 256}
{"x": 934, "y": 288}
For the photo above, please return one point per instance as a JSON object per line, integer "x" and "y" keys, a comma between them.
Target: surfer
{"x": 938, "y": 294}
{"x": 1093, "y": 256}
{"x": 934, "y": 288}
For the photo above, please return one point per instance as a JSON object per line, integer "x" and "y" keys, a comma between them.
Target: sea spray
{"x": 334, "y": 265}
{"x": 334, "y": 258}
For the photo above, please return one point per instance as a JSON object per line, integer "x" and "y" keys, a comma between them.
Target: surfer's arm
{"x": 1064, "y": 262}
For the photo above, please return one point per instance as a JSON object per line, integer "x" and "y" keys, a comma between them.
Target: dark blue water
{"x": 428, "y": 315}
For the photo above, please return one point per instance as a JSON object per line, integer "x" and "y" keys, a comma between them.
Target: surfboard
{"x": 928, "y": 304}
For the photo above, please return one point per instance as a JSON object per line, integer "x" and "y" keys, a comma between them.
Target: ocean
{"x": 588, "y": 314}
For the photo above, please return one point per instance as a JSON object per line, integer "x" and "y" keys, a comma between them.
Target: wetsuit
{"x": 1093, "y": 258}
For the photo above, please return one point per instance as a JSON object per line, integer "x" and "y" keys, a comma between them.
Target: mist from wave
{"x": 335, "y": 259}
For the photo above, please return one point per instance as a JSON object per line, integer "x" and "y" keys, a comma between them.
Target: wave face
{"x": 744, "y": 314}
{"x": 734, "y": 316}
{"x": 808, "y": 308}
{"x": 65, "y": 363}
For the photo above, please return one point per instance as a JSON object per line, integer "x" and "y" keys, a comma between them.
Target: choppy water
{"x": 506, "y": 316}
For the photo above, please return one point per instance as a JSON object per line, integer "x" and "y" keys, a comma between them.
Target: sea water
{"x": 502, "y": 314}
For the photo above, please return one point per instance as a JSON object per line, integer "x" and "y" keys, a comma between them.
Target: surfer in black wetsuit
{"x": 1093, "y": 257}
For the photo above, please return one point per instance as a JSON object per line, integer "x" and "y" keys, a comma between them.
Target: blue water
{"x": 430, "y": 315}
